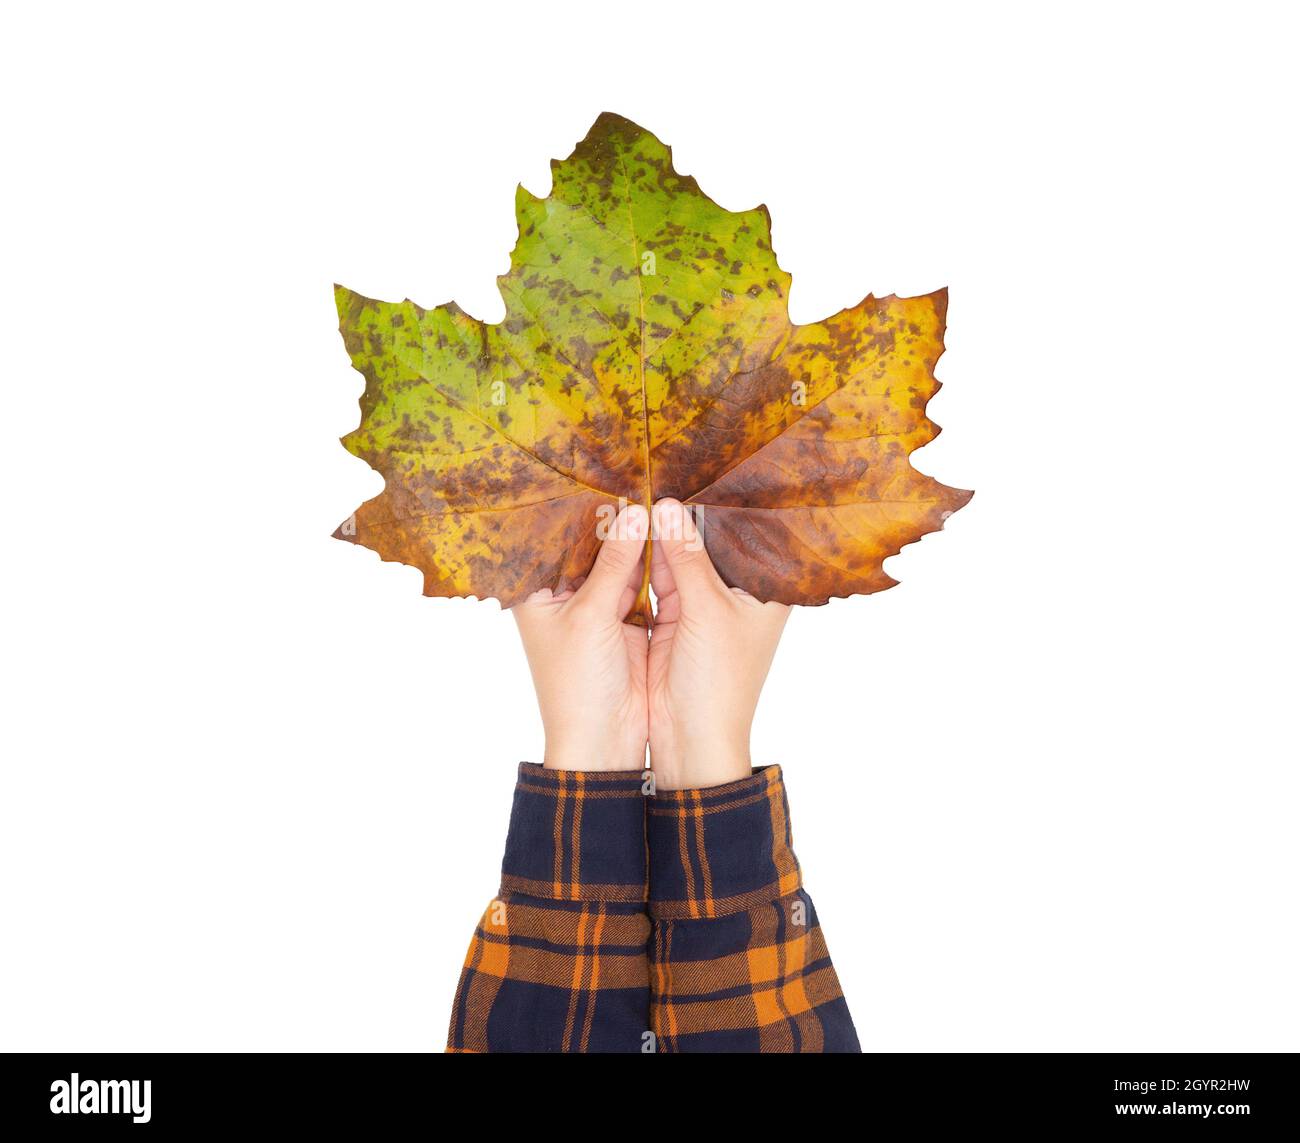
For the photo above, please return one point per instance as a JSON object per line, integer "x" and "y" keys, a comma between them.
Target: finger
{"x": 675, "y": 534}
{"x": 545, "y": 597}
{"x": 617, "y": 562}
{"x": 632, "y": 587}
{"x": 668, "y": 604}
{"x": 539, "y": 603}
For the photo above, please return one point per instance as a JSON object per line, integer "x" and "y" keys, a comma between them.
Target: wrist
{"x": 702, "y": 765}
{"x": 612, "y": 753}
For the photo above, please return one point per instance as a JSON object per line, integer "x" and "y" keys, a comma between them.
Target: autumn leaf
{"x": 646, "y": 352}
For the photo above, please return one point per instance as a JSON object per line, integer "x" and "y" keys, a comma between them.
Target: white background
{"x": 255, "y": 786}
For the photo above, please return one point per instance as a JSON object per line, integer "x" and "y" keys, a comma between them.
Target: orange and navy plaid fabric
{"x": 737, "y": 959}
{"x": 674, "y": 922}
{"x": 558, "y": 962}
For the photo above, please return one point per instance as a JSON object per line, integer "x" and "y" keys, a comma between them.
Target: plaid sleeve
{"x": 558, "y": 962}
{"x": 737, "y": 959}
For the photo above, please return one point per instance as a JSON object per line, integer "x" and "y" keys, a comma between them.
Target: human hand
{"x": 710, "y": 650}
{"x": 588, "y": 666}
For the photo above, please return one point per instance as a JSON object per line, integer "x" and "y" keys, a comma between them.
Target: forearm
{"x": 738, "y": 960}
{"x": 558, "y": 961}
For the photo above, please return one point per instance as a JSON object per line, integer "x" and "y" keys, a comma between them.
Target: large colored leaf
{"x": 646, "y": 352}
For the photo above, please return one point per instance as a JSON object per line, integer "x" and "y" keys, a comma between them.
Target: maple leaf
{"x": 646, "y": 352}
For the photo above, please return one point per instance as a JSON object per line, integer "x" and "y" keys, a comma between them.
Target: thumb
{"x": 620, "y": 553}
{"x": 679, "y": 541}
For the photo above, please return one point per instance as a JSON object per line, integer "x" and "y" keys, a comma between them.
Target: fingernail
{"x": 637, "y": 522}
{"x": 667, "y": 519}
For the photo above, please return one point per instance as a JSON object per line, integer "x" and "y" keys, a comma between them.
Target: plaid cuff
{"x": 722, "y": 850}
{"x": 576, "y": 835}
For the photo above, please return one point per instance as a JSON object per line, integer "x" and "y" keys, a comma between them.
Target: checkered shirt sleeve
{"x": 668, "y": 923}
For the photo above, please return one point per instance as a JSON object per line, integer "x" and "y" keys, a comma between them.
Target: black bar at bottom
{"x": 1224, "y": 1094}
